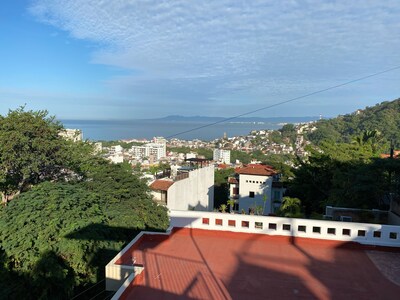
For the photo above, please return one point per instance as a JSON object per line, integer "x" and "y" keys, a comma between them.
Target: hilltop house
{"x": 256, "y": 185}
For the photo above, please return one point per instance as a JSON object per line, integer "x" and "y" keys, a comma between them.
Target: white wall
{"x": 194, "y": 219}
{"x": 195, "y": 191}
{"x": 259, "y": 189}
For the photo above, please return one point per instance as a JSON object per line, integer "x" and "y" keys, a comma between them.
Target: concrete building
{"x": 74, "y": 135}
{"x": 255, "y": 185}
{"x": 189, "y": 190}
{"x": 157, "y": 151}
{"x": 221, "y": 155}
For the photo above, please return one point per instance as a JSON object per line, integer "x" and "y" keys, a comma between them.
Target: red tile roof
{"x": 256, "y": 169}
{"x": 203, "y": 264}
{"x": 161, "y": 185}
{"x": 232, "y": 180}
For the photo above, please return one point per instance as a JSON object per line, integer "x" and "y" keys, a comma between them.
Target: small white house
{"x": 255, "y": 185}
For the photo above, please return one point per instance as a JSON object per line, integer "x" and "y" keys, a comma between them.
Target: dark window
{"x": 235, "y": 191}
{"x": 331, "y": 230}
{"x": 316, "y": 229}
{"x": 286, "y": 227}
{"x": 377, "y": 234}
{"x": 206, "y": 221}
{"x": 232, "y": 223}
{"x": 393, "y": 235}
{"x": 272, "y": 226}
{"x": 361, "y": 233}
{"x": 251, "y": 194}
{"x": 346, "y": 232}
{"x": 301, "y": 228}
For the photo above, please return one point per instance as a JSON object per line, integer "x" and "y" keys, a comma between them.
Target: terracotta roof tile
{"x": 161, "y": 185}
{"x": 232, "y": 180}
{"x": 256, "y": 169}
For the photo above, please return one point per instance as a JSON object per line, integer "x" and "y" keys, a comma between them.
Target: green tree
{"x": 291, "y": 207}
{"x": 31, "y": 151}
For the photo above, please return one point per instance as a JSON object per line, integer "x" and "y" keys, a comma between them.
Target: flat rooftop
{"x": 207, "y": 264}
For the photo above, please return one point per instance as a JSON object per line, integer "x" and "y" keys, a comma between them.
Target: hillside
{"x": 383, "y": 117}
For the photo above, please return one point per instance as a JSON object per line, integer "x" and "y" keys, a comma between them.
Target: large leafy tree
{"x": 74, "y": 228}
{"x": 32, "y": 151}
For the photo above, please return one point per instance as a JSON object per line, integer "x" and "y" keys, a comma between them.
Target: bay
{"x": 146, "y": 129}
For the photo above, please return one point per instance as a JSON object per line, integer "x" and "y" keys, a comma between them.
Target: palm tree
{"x": 290, "y": 207}
{"x": 231, "y": 203}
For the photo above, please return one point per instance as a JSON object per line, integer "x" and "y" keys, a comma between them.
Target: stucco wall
{"x": 196, "y": 191}
{"x": 260, "y": 189}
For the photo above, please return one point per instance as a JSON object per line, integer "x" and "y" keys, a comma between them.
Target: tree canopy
{"x": 32, "y": 151}
{"x": 71, "y": 213}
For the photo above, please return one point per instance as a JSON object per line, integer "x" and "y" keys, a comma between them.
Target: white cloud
{"x": 211, "y": 49}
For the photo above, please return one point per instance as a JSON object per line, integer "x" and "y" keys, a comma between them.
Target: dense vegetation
{"x": 347, "y": 175}
{"x": 72, "y": 216}
{"x": 384, "y": 117}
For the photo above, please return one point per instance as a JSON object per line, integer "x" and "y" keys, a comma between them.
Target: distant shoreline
{"x": 147, "y": 129}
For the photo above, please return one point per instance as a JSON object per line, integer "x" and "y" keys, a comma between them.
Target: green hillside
{"x": 383, "y": 117}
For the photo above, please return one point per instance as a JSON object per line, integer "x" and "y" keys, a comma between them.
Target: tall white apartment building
{"x": 222, "y": 155}
{"x": 158, "y": 151}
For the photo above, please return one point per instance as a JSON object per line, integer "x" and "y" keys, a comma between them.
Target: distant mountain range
{"x": 204, "y": 119}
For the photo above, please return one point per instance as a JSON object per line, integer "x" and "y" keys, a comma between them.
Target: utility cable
{"x": 88, "y": 289}
{"x": 286, "y": 101}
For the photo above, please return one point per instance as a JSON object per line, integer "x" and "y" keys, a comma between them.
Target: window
{"x": 331, "y": 230}
{"x": 245, "y": 224}
{"x": 361, "y": 233}
{"x": 393, "y": 235}
{"x": 206, "y": 221}
{"x": 301, "y": 228}
{"x": 277, "y": 195}
{"x": 377, "y": 234}
{"x": 316, "y": 229}
{"x": 286, "y": 227}
{"x": 251, "y": 194}
{"x": 346, "y": 232}
{"x": 272, "y": 226}
{"x": 218, "y": 222}
{"x": 232, "y": 223}
{"x": 258, "y": 225}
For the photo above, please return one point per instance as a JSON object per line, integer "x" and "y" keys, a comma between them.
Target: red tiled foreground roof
{"x": 256, "y": 169}
{"x": 161, "y": 185}
{"x": 206, "y": 264}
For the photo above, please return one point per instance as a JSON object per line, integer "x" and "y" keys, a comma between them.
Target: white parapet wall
{"x": 367, "y": 234}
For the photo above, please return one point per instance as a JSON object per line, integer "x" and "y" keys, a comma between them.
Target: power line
{"x": 285, "y": 101}
{"x": 88, "y": 289}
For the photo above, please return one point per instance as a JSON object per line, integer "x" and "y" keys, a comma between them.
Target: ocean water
{"x": 137, "y": 129}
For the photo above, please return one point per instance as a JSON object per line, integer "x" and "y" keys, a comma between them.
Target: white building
{"x": 157, "y": 151}
{"x": 221, "y": 155}
{"x": 256, "y": 185}
{"x": 116, "y": 150}
{"x": 74, "y": 135}
{"x": 193, "y": 190}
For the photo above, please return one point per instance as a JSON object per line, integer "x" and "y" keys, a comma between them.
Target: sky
{"x": 120, "y": 59}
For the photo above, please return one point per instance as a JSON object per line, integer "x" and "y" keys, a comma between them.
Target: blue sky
{"x": 92, "y": 59}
